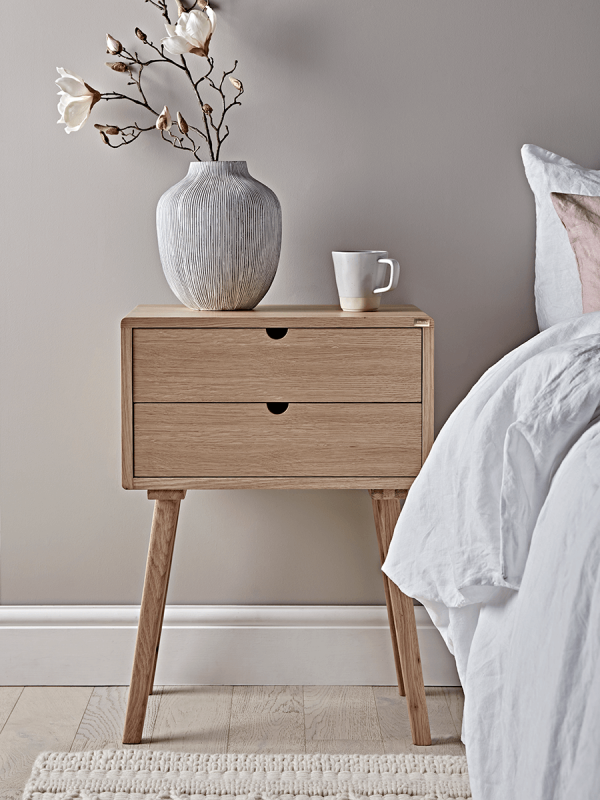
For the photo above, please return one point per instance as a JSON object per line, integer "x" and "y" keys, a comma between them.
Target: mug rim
{"x": 356, "y": 252}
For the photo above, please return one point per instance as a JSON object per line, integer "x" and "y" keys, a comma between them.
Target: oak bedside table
{"x": 281, "y": 397}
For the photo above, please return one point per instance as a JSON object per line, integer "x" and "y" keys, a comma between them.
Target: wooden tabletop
{"x": 178, "y": 316}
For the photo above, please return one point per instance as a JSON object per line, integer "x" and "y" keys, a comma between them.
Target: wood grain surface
{"x": 456, "y": 700}
{"x": 193, "y": 719}
{"x": 340, "y": 712}
{"x": 246, "y": 439}
{"x": 126, "y": 408}
{"x": 102, "y": 725}
{"x": 386, "y": 513}
{"x": 428, "y": 390}
{"x": 177, "y": 316}
{"x": 303, "y": 482}
{"x": 267, "y": 719}
{"x": 8, "y": 699}
{"x": 395, "y": 725}
{"x": 305, "y": 366}
{"x": 352, "y": 746}
{"x": 383, "y": 543}
{"x": 43, "y": 718}
{"x": 156, "y": 582}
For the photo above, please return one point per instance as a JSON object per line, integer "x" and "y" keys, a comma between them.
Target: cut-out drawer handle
{"x": 277, "y": 408}
{"x": 276, "y": 333}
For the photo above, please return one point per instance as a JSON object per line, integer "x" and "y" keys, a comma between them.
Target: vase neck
{"x": 218, "y": 168}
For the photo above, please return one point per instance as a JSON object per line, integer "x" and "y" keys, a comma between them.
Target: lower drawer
{"x": 181, "y": 440}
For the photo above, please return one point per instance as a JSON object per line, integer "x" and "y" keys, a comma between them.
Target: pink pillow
{"x": 580, "y": 215}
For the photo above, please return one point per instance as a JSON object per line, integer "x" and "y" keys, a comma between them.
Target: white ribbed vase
{"x": 219, "y": 237}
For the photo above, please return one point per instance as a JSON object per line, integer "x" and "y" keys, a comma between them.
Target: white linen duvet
{"x": 500, "y": 540}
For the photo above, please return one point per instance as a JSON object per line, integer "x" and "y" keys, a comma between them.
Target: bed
{"x": 500, "y": 540}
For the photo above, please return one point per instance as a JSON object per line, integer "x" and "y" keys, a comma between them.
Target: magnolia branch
{"x": 162, "y": 7}
{"x": 192, "y": 35}
{"x": 225, "y": 108}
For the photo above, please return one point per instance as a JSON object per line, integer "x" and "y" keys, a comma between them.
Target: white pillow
{"x": 557, "y": 284}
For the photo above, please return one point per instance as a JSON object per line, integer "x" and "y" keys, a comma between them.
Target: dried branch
{"x": 162, "y": 7}
{"x": 195, "y": 84}
{"x": 212, "y": 130}
{"x": 220, "y": 132}
{"x": 119, "y": 96}
{"x": 177, "y": 143}
{"x": 129, "y": 134}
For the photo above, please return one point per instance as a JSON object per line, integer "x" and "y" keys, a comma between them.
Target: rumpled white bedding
{"x": 500, "y": 540}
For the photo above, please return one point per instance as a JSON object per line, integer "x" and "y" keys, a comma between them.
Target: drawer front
{"x": 305, "y": 366}
{"x": 246, "y": 439}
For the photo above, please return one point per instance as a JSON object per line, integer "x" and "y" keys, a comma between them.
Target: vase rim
{"x": 215, "y": 163}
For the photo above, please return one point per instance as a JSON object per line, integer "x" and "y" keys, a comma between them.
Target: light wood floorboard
{"x": 395, "y": 726}
{"x": 43, "y": 718}
{"x": 193, "y": 719}
{"x": 456, "y": 701}
{"x": 349, "y": 746}
{"x": 267, "y": 719}
{"x": 219, "y": 719}
{"x": 102, "y": 725}
{"x": 8, "y": 699}
{"x": 340, "y": 712}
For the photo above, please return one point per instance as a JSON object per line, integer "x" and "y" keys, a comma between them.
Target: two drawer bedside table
{"x": 280, "y": 397}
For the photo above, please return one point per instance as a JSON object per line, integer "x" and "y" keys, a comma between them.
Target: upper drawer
{"x": 306, "y": 365}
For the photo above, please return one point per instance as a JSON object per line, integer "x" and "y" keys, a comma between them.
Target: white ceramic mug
{"x": 361, "y": 278}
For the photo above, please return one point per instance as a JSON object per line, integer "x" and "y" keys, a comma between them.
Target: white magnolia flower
{"x": 76, "y": 99}
{"x": 192, "y": 33}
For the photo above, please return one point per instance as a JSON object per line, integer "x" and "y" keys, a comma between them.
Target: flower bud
{"x": 104, "y": 137}
{"x": 118, "y": 66}
{"x": 113, "y": 45}
{"x": 207, "y": 109}
{"x": 140, "y": 34}
{"x": 183, "y": 126}
{"x": 110, "y": 130}
{"x": 164, "y": 122}
{"x": 238, "y": 84}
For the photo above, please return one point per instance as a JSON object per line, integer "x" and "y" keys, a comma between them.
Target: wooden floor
{"x": 218, "y": 719}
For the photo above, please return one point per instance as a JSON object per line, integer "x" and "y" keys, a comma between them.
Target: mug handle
{"x": 394, "y": 274}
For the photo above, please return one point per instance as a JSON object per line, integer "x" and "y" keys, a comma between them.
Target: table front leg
{"x": 401, "y": 614}
{"x": 154, "y": 596}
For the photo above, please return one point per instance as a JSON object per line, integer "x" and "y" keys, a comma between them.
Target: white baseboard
{"x": 271, "y": 645}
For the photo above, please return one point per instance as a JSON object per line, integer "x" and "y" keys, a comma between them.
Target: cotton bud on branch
{"x": 207, "y": 109}
{"x": 118, "y": 66}
{"x": 113, "y": 46}
{"x": 104, "y": 137}
{"x": 183, "y": 126}
{"x": 164, "y": 122}
{"x": 237, "y": 84}
{"x": 140, "y": 34}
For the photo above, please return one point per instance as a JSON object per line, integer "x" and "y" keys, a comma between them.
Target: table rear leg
{"x": 386, "y": 510}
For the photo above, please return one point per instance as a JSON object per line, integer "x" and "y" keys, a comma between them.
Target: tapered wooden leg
{"x": 382, "y": 527}
{"x": 386, "y": 510}
{"x": 154, "y": 596}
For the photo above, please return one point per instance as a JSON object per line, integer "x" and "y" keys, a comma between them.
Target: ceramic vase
{"x": 219, "y": 237}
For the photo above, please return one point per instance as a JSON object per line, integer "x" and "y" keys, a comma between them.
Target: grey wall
{"x": 389, "y": 124}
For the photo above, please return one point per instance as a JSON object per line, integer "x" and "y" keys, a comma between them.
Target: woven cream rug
{"x": 147, "y": 775}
